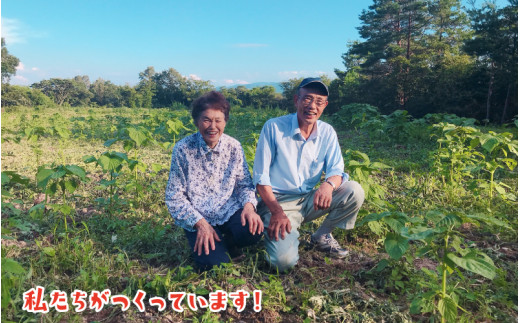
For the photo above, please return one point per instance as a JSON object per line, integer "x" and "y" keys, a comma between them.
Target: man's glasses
{"x": 307, "y": 100}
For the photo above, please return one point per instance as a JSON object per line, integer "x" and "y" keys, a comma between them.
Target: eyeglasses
{"x": 307, "y": 100}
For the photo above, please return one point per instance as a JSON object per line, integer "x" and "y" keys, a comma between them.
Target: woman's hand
{"x": 256, "y": 225}
{"x": 206, "y": 237}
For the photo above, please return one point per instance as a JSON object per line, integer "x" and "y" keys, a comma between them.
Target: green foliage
{"x": 12, "y": 274}
{"x": 439, "y": 236}
{"x": 464, "y": 152}
{"x": 356, "y": 115}
{"x": 66, "y": 177}
{"x": 428, "y": 57}
{"x": 362, "y": 170}
{"x": 9, "y": 64}
{"x": 115, "y": 240}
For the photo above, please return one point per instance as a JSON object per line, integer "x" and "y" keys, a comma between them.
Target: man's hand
{"x": 256, "y": 225}
{"x": 279, "y": 223}
{"x": 323, "y": 197}
{"x": 206, "y": 237}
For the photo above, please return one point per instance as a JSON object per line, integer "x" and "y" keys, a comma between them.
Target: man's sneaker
{"x": 328, "y": 244}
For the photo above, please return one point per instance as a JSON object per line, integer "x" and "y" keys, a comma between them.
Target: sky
{"x": 225, "y": 42}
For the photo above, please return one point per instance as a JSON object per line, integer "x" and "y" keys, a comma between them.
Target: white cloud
{"x": 20, "y": 80}
{"x": 20, "y": 66}
{"x": 35, "y": 69}
{"x": 15, "y": 31}
{"x": 11, "y": 31}
{"x": 292, "y": 74}
{"x": 195, "y": 77}
{"x": 249, "y": 45}
{"x": 232, "y": 82}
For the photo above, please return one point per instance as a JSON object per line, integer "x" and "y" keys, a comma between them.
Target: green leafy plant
{"x": 396, "y": 125}
{"x": 12, "y": 275}
{"x": 441, "y": 240}
{"x": 356, "y": 115}
{"x": 111, "y": 163}
{"x": 359, "y": 166}
{"x": 500, "y": 152}
{"x": 64, "y": 177}
{"x": 134, "y": 138}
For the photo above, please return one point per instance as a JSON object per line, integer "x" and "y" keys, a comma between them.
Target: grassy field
{"x": 83, "y": 209}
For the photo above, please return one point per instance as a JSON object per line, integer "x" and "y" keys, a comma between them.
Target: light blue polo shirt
{"x": 290, "y": 164}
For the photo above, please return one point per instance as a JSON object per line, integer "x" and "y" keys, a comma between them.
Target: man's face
{"x": 309, "y": 106}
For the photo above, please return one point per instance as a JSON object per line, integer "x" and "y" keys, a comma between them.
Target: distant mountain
{"x": 276, "y": 85}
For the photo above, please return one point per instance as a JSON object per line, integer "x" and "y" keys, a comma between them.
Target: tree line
{"x": 422, "y": 56}
{"x": 431, "y": 56}
{"x": 155, "y": 90}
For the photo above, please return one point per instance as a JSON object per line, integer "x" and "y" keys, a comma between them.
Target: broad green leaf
{"x": 132, "y": 163}
{"x": 15, "y": 178}
{"x": 382, "y": 264}
{"x": 43, "y": 176}
{"x": 474, "y": 143}
{"x": 123, "y": 156}
{"x": 489, "y": 142}
{"x": 489, "y": 219}
{"x": 434, "y": 215}
{"x": 66, "y": 209}
{"x": 63, "y": 132}
{"x": 11, "y": 266}
{"x": 49, "y": 251}
{"x": 128, "y": 145}
{"x": 6, "y": 293}
{"x": 70, "y": 185}
{"x": 89, "y": 159}
{"x": 450, "y": 220}
{"x": 396, "y": 224}
{"x": 109, "y": 142}
{"x": 372, "y": 217}
{"x": 418, "y": 233}
{"x": 500, "y": 190}
{"x": 417, "y": 305}
{"x": 510, "y": 163}
{"x": 109, "y": 163}
{"x": 37, "y": 209}
{"x": 5, "y": 193}
{"x": 157, "y": 167}
{"x": 58, "y": 172}
{"x": 396, "y": 245}
{"x": 448, "y": 309}
{"x": 472, "y": 262}
{"x": 5, "y": 179}
{"x": 141, "y": 166}
{"x": 376, "y": 227}
{"x": 354, "y": 163}
{"x": 167, "y": 145}
{"x": 76, "y": 170}
{"x": 138, "y": 136}
{"x": 379, "y": 165}
{"x": 52, "y": 189}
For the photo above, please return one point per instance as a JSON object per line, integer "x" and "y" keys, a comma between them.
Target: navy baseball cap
{"x": 313, "y": 80}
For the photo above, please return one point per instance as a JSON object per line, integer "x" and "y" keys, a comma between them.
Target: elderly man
{"x": 293, "y": 152}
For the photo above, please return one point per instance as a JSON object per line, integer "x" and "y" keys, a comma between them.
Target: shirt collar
{"x": 204, "y": 148}
{"x": 295, "y": 128}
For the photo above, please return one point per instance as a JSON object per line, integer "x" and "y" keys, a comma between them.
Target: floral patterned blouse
{"x": 207, "y": 183}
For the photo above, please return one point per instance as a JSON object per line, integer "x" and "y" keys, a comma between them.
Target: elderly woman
{"x": 210, "y": 193}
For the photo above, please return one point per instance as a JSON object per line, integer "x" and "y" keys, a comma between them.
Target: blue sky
{"x": 226, "y": 42}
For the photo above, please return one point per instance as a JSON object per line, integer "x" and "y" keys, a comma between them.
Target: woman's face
{"x": 211, "y": 126}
